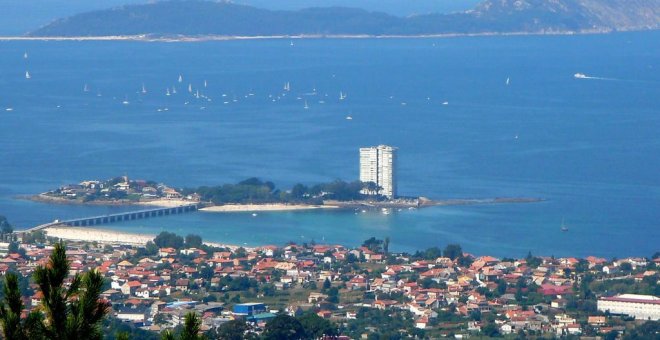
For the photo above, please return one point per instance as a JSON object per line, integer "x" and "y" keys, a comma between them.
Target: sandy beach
{"x": 99, "y": 235}
{"x": 86, "y": 234}
{"x": 165, "y": 203}
{"x": 264, "y": 207}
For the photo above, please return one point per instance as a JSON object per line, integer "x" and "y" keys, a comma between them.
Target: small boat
{"x": 349, "y": 118}
{"x": 508, "y": 80}
{"x": 445, "y": 103}
{"x": 9, "y": 109}
{"x": 306, "y": 106}
{"x": 180, "y": 78}
{"x": 580, "y": 76}
{"x": 205, "y": 84}
{"x": 27, "y": 75}
{"x": 167, "y": 92}
{"x": 287, "y": 86}
{"x": 125, "y": 102}
{"x": 190, "y": 88}
{"x": 385, "y": 211}
{"x": 25, "y": 55}
{"x": 342, "y": 95}
{"x": 254, "y": 214}
{"x": 173, "y": 90}
{"x": 86, "y": 88}
{"x": 291, "y": 43}
{"x": 563, "y": 227}
{"x": 144, "y": 89}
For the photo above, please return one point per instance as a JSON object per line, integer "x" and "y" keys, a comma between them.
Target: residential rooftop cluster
{"x": 364, "y": 292}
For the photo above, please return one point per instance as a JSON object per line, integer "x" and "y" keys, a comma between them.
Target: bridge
{"x": 119, "y": 217}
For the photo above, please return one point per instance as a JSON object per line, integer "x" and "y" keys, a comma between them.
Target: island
{"x": 252, "y": 194}
{"x": 186, "y": 20}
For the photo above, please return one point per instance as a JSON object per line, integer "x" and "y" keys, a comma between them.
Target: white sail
{"x": 27, "y": 75}
{"x": 180, "y": 78}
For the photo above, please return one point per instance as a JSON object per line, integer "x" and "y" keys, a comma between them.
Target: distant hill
{"x": 195, "y": 18}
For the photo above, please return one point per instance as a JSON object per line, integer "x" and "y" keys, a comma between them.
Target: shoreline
{"x": 229, "y": 208}
{"x": 420, "y": 202}
{"x": 213, "y": 37}
{"x": 101, "y": 235}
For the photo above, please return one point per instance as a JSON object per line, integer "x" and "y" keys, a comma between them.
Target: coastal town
{"x": 367, "y": 292}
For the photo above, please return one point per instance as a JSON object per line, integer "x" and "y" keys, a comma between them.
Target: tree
{"x": 626, "y": 267}
{"x": 373, "y": 244}
{"x": 168, "y": 240}
{"x": 5, "y": 228}
{"x": 193, "y": 241}
{"x": 386, "y": 245}
{"x": 453, "y": 251}
{"x": 13, "y": 327}
{"x": 74, "y": 312}
{"x": 232, "y": 330}
{"x": 192, "y": 325}
{"x": 284, "y": 327}
{"x": 316, "y": 326}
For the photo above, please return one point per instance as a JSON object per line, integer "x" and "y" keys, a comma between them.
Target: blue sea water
{"x": 588, "y": 146}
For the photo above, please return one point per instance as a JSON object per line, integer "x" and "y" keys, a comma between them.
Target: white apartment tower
{"x": 377, "y": 166}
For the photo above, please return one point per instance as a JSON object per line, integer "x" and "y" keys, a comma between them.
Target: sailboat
{"x": 563, "y": 227}
{"x": 287, "y": 86}
{"x": 342, "y": 96}
{"x": 173, "y": 90}
{"x": 508, "y": 80}
{"x": 180, "y": 78}
{"x": 291, "y": 44}
{"x": 86, "y": 88}
{"x": 27, "y": 75}
{"x": 190, "y": 88}
{"x": 144, "y": 89}
{"x": 25, "y": 55}
{"x": 205, "y": 84}
{"x": 306, "y": 106}
{"x": 125, "y": 102}
{"x": 167, "y": 92}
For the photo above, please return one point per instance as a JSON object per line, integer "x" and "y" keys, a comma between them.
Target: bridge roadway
{"x": 125, "y": 216}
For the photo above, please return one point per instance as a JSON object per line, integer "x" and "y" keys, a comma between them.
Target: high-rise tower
{"x": 377, "y": 166}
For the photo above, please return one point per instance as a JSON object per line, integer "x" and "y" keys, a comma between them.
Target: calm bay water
{"x": 588, "y": 146}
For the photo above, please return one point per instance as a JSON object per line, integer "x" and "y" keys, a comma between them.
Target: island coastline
{"x": 212, "y": 37}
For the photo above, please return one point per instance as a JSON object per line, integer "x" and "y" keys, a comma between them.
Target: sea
{"x": 472, "y": 117}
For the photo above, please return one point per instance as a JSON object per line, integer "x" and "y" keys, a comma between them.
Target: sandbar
{"x": 264, "y": 207}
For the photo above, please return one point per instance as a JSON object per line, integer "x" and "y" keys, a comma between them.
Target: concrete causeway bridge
{"x": 119, "y": 217}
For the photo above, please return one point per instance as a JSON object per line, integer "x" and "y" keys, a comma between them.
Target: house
{"x": 422, "y": 323}
{"x": 315, "y": 297}
{"x": 134, "y": 313}
{"x": 182, "y": 284}
{"x": 130, "y": 287}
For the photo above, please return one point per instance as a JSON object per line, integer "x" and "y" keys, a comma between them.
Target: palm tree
{"x": 74, "y": 312}
{"x": 13, "y": 327}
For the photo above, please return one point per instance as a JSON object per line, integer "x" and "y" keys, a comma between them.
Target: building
{"x": 642, "y": 307}
{"x": 249, "y": 309}
{"x": 377, "y": 165}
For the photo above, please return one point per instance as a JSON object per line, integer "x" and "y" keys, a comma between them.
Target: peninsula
{"x": 183, "y": 20}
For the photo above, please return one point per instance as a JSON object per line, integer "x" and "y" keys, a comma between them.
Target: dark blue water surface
{"x": 589, "y": 146}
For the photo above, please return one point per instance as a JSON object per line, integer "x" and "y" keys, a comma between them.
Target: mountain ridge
{"x": 195, "y": 18}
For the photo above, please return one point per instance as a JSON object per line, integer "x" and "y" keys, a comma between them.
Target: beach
{"x": 86, "y": 234}
{"x": 264, "y": 207}
{"x": 99, "y": 235}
